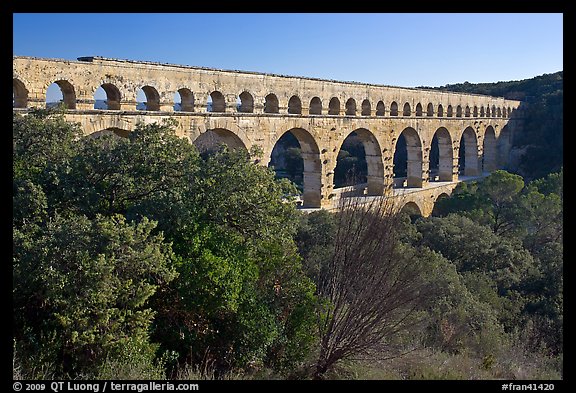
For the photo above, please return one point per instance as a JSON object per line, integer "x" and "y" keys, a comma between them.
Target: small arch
{"x": 147, "y": 98}
{"x": 19, "y": 94}
{"x": 406, "y": 111}
{"x": 430, "y": 110}
{"x": 412, "y": 209}
{"x": 419, "y": 109}
{"x": 246, "y": 102}
{"x": 366, "y": 108}
{"x": 440, "y": 110}
{"x": 493, "y": 110}
{"x": 216, "y": 102}
{"x": 271, "y": 103}
{"x": 467, "y": 111}
{"x": 458, "y": 111}
{"x": 488, "y": 111}
{"x": 294, "y": 106}
{"x": 482, "y": 111}
{"x": 475, "y": 112}
{"x": 61, "y": 89}
{"x": 380, "y": 108}
{"x": 334, "y": 106}
{"x": 351, "y": 107}
{"x": 212, "y": 139}
{"x": 393, "y": 109}
{"x": 315, "y": 106}
{"x": 184, "y": 100}
{"x": 449, "y": 111}
{"x": 508, "y": 112}
{"x": 499, "y": 112}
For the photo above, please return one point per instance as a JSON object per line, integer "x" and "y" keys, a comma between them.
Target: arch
{"x": 312, "y": 168}
{"x": 351, "y": 107}
{"x": 19, "y": 94}
{"x": 482, "y": 111}
{"x": 294, "y": 105}
{"x": 411, "y": 208}
{"x": 380, "y": 109}
{"x": 449, "y": 111}
{"x": 440, "y": 110}
{"x": 493, "y": 110}
{"x": 216, "y": 102}
{"x": 489, "y": 150}
{"x": 487, "y": 111}
{"x": 509, "y": 111}
{"x": 406, "y": 111}
{"x": 499, "y": 112}
{"x": 408, "y": 159}
{"x": 186, "y": 100}
{"x": 212, "y": 139}
{"x": 475, "y": 111}
{"x": 468, "y": 162}
{"x": 419, "y": 109}
{"x": 459, "y": 111}
{"x": 393, "y": 109}
{"x": 315, "y": 106}
{"x": 334, "y": 106}
{"x": 504, "y": 144}
{"x": 366, "y": 108}
{"x": 111, "y": 97}
{"x": 436, "y": 212}
{"x": 151, "y": 97}
{"x": 111, "y": 131}
{"x": 68, "y": 94}
{"x": 271, "y": 103}
{"x": 430, "y": 110}
{"x": 246, "y": 102}
{"x": 442, "y": 196}
{"x": 441, "y": 156}
{"x": 373, "y": 157}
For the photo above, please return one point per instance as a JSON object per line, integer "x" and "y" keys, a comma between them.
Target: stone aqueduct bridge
{"x": 249, "y": 108}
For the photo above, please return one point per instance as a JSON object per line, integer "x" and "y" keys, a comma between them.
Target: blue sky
{"x": 429, "y": 49}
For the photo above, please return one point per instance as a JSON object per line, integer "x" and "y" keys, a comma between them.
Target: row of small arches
{"x": 149, "y": 100}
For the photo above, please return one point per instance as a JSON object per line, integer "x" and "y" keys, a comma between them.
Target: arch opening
{"x": 184, "y": 100}
{"x": 147, "y": 99}
{"x": 216, "y": 102}
{"x": 408, "y": 160}
{"x": 366, "y": 108}
{"x": 380, "y": 108}
{"x": 441, "y": 156}
{"x": 334, "y": 106}
{"x": 489, "y": 153}
{"x": 271, "y": 104}
{"x": 63, "y": 92}
{"x": 107, "y": 97}
{"x": 351, "y": 107}
{"x": 245, "y": 103}
{"x": 419, "y": 109}
{"x": 440, "y": 110}
{"x": 294, "y": 106}
{"x": 19, "y": 94}
{"x": 315, "y": 106}
{"x": 430, "y": 110}
{"x": 406, "y": 111}
{"x": 213, "y": 139}
{"x": 393, "y": 109}
{"x": 468, "y": 163}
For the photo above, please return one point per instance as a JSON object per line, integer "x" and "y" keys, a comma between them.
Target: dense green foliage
{"x": 543, "y": 113}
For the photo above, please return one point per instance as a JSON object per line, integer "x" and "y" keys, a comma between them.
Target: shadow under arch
{"x": 311, "y": 164}
{"x": 212, "y": 139}
{"x": 113, "y": 131}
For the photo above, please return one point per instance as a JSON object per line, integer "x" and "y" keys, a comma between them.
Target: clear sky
{"x": 429, "y": 49}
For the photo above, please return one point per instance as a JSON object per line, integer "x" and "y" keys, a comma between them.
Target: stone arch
{"x": 493, "y": 110}
{"x": 315, "y": 106}
{"x": 113, "y": 97}
{"x": 294, "y": 105}
{"x": 68, "y": 94}
{"x": 440, "y": 110}
{"x": 430, "y": 110}
{"x": 186, "y": 99}
{"x": 441, "y": 156}
{"x": 459, "y": 111}
{"x": 504, "y": 144}
{"x": 449, "y": 111}
{"x": 271, "y": 104}
{"x": 442, "y": 195}
{"x": 467, "y": 111}
{"x": 334, "y": 106}
{"x": 406, "y": 111}
{"x": 151, "y": 96}
{"x": 19, "y": 94}
{"x": 213, "y": 138}
{"x": 374, "y": 162}
{"x": 419, "y": 109}
{"x": 246, "y": 102}
{"x": 351, "y": 107}
{"x": 410, "y": 141}
{"x": 509, "y": 111}
{"x": 482, "y": 113}
{"x": 412, "y": 209}
{"x": 366, "y": 108}
{"x": 112, "y": 131}
{"x": 489, "y": 150}
{"x": 468, "y": 162}
{"x": 393, "y": 109}
{"x": 499, "y": 112}
{"x": 216, "y": 102}
{"x": 312, "y": 174}
{"x": 488, "y": 111}
{"x": 439, "y": 198}
{"x": 475, "y": 112}
{"x": 380, "y": 109}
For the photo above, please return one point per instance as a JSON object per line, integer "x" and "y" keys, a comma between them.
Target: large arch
{"x": 351, "y": 107}
{"x": 468, "y": 162}
{"x": 504, "y": 144}
{"x": 374, "y": 162}
{"x": 409, "y": 160}
{"x": 489, "y": 155}
{"x": 19, "y": 94}
{"x": 315, "y": 106}
{"x": 271, "y": 104}
{"x": 112, "y": 97}
{"x": 213, "y": 138}
{"x": 68, "y": 94}
{"x": 334, "y": 106}
{"x": 312, "y": 173}
{"x": 441, "y": 156}
{"x": 294, "y": 105}
{"x": 412, "y": 209}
